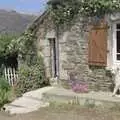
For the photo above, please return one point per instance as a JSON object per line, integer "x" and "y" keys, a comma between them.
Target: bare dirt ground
{"x": 66, "y": 113}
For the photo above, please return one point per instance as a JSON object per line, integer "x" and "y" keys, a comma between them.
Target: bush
{"x": 5, "y": 91}
{"x": 30, "y": 78}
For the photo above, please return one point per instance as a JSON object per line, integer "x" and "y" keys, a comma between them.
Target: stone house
{"x": 84, "y": 50}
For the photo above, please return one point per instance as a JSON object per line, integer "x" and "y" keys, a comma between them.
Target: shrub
{"x": 30, "y": 78}
{"x": 5, "y": 91}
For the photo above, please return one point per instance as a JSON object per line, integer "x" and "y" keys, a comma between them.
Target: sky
{"x": 24, "y": 6}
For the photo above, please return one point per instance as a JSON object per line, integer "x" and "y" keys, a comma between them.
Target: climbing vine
{"x": 5, "y": 40}
{"x": 25, "y": 46}
{"x": 31, "y": 71}
{"x": 63, "y": 11}
{"x": 5, "y": 54}
{"x": 24, "y": 43}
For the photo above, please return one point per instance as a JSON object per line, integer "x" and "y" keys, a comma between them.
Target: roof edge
{"x": 34, "y": 25}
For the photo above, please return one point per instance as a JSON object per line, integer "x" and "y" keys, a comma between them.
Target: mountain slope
{"x": 13, "y": 22}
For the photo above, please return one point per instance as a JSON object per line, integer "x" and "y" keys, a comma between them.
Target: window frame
{"x": 115, "y": 42}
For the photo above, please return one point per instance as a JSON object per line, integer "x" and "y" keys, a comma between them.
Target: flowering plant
{"x": 79, "y": 87}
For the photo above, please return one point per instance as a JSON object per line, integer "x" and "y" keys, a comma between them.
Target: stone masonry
{"x": 73, "y": 55}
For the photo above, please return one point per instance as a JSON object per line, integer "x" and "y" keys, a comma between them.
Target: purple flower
{"x": 79, "y": 87}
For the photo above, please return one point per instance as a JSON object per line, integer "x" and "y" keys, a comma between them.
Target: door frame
{"x": 54, "y": 59}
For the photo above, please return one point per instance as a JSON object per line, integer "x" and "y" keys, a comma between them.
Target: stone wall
{"x": 74, "y": 59}
{"x": 73, "y": 54}
{"x": 45, "y": 27}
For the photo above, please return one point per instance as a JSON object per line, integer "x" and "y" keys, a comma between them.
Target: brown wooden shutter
{"x": 98, "y": 46}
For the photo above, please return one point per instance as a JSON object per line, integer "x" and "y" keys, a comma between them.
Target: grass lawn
{"x": 66, "y": 112}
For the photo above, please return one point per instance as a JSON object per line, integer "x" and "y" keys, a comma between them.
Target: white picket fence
{"x": 11, "y": 75}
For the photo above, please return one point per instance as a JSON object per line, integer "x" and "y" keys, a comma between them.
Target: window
{"x": 118, "y": 41}
{"x": 97, "y": 46}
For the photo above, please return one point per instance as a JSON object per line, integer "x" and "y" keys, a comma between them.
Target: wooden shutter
{"x": 98, "y": 46}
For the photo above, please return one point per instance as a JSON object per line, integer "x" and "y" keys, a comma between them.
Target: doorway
{"x": 53, "y": 57}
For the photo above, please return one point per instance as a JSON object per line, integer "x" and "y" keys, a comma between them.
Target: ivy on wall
{"x": 31, "y": 69}
{"x": 5, "y": 40}
{"x": 63, "y": 11}
{"x": 5, "y": 54}
{"x": 25, "y": 46}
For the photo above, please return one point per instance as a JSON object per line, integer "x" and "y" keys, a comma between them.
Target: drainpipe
{"x": 57, "y": 45}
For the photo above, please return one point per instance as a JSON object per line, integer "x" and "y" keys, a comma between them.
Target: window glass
{"x": 118, "y": 57}
{"x": 118, "y": 26}
{"x": 118, "y": 41}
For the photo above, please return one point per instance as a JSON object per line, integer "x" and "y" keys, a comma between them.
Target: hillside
{"x": 13, "y": 22}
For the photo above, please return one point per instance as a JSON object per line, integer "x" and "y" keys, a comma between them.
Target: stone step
{"x": 29, "y": 102}
{"x": 24, "y": 105}
{"x": 37, "y": 94}
{"x": 12, "y": 109}
{"x": 33, "y": 98}
{"x": 26, "y": 102}
{"x": 103, "y": 99}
